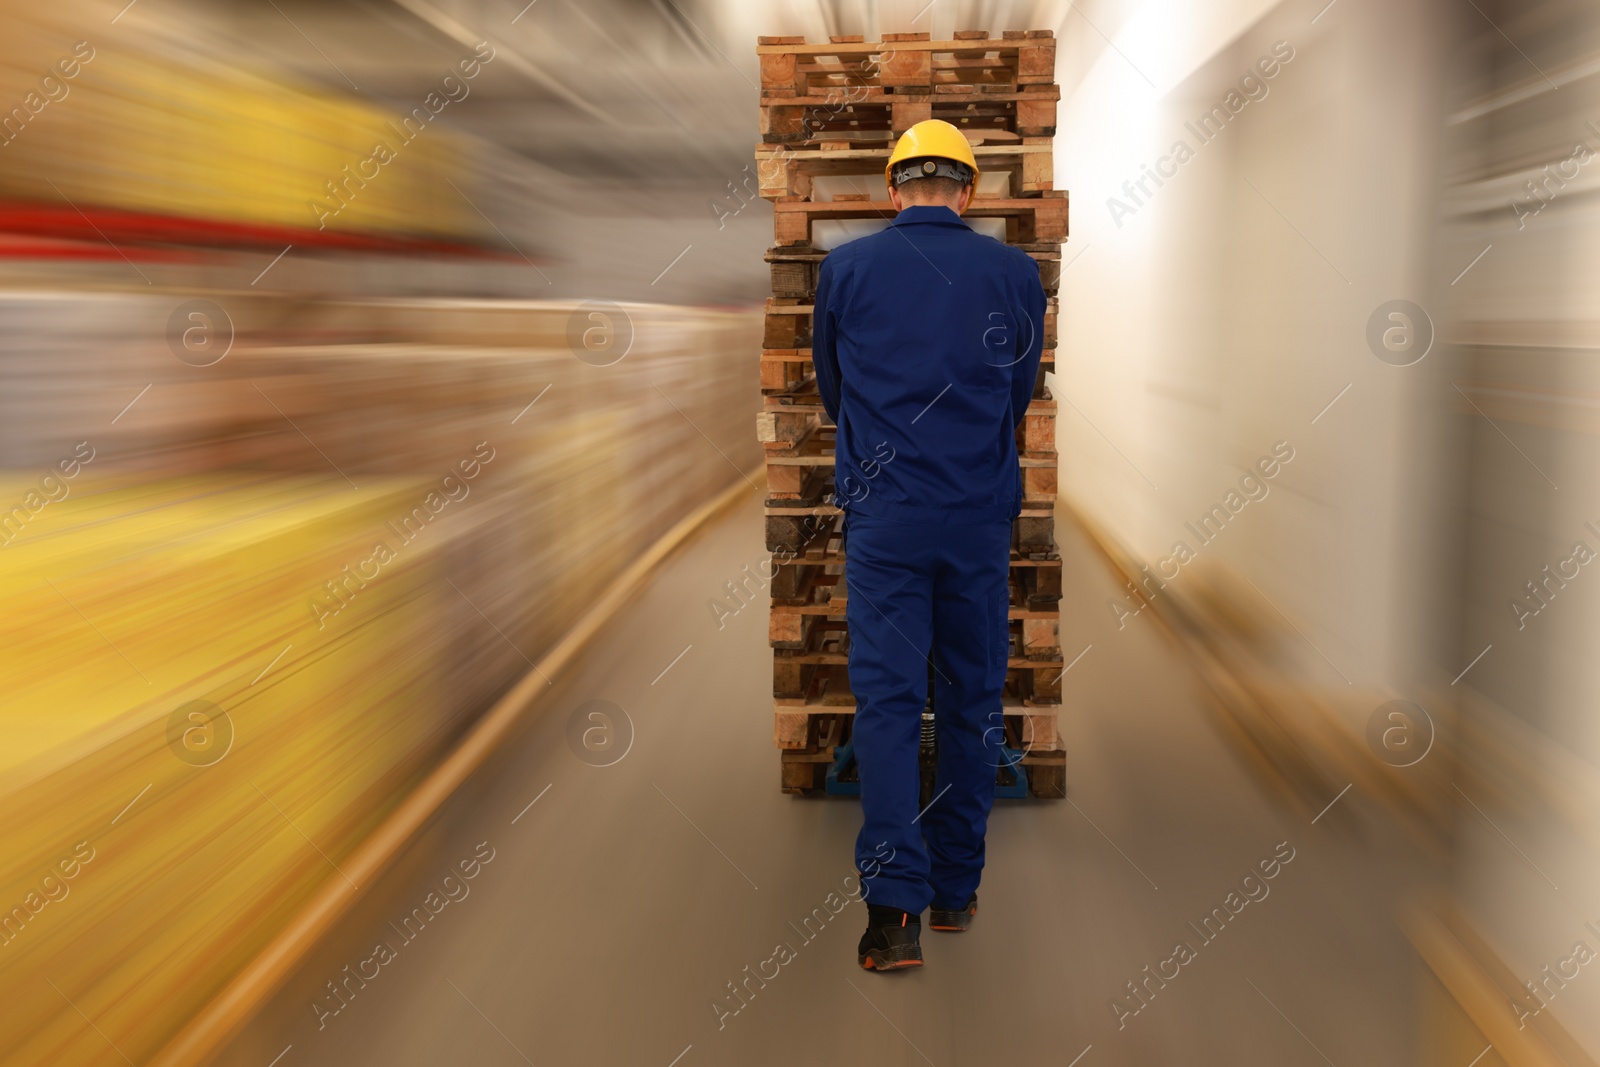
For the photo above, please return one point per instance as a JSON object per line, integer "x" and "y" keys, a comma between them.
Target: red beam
{"x": 137, "y": 229}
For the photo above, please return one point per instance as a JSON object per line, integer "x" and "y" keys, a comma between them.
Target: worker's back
{"x": 926, "y": 342}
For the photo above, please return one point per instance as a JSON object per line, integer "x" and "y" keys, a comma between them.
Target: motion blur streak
{"x": 349, "y": 349}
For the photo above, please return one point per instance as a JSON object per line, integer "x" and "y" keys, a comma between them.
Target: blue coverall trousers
{"x": 915, "y": 592}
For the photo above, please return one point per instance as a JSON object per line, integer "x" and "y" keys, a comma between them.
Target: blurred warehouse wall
{"x": 1370, "y": 251}
{"x": 1230, "y": 304}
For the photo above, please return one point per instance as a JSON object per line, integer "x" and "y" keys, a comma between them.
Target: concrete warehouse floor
{"x": 618, "y": 907}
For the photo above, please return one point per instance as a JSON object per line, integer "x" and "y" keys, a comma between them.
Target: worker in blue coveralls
{"x": 926, "y": 342}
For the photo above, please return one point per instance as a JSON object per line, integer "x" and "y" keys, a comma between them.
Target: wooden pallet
{"x": 792, "y": 524}
{"x": 819, "y": 680}
{"x": 788, "y": 382}
{"x": 788, "y": 173}
{"x": 794, "y": 475}
{"x": 1035, "y": 585}
{"x": 791, "y": 527}
{"x": 803, "y": 769}
{"x": 795, "y": 724}
{"x": 794, "y": 270}
{"x": 1032, "y": 629}
{"x": 1034, "y": 581}
{"x": 792, "y": 68}
{"x": 786, "y": 370}
{"x": 876, "y": 117}
{"x": 788, "y": 323}
{"x": 813, "y": 446}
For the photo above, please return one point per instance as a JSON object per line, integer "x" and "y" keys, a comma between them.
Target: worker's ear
{"x": 966, "y": 197}
{"x": 894, "y": 198}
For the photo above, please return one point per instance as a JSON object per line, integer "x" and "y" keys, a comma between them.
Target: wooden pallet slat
{"x": 1035, "y": 219}
{"x": 788, "y": 175}
{"x": 1012, "y": 43}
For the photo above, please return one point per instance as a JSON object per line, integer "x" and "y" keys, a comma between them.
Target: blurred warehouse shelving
{"x": 349, "y": 634}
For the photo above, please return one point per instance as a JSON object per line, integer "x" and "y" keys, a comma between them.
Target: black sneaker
{"x": 891, "y": 941}
{"x": 957, "y": 920}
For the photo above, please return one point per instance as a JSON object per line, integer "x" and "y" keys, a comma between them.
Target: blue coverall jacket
{"x": 926, "y": 342}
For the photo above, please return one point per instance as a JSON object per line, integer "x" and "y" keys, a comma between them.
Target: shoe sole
{"x": 955, "y": 929}
{"x": 869, "y": 964}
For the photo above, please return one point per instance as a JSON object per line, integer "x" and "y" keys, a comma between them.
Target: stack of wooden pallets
{"x": 830, "y": 114}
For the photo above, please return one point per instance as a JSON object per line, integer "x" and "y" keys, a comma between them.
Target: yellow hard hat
{"x": 931, "y": 138}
